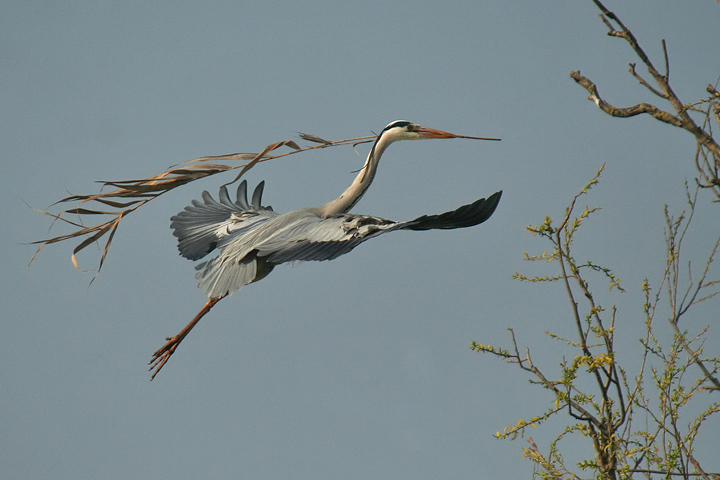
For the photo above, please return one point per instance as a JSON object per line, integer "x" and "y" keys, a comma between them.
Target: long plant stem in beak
{"x": 432, "y": 133}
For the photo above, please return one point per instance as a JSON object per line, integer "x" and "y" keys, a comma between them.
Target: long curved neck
{"x": 354, "y": 192}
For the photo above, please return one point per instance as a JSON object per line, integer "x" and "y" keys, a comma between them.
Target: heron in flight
{"x": 251, "y": 239}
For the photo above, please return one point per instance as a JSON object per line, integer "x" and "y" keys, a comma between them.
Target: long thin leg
{"x": 160, "y": 358}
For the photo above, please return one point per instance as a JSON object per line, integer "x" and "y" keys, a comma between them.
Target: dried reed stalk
{"x": 109, "y": 208}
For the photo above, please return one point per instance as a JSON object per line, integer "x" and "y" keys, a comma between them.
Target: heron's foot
{"x": 160, "y": 358}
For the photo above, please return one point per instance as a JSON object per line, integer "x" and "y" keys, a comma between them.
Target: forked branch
{"x": 708, "y": 159}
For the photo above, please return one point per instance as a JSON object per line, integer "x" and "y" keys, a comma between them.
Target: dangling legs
{"x": 161, "y": 357}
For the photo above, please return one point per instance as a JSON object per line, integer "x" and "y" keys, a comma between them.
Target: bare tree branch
{"x": 680, "y": 118}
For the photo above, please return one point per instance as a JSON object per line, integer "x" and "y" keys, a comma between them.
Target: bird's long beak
{"x": 425, "y": 132}
{"x": 432, "y": 133}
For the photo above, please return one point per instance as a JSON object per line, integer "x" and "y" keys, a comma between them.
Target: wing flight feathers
{"x": 201, "y": 225}
{"x": 257, "y": 196}
{"x": 332, "y": 237}
{"x": 252, "y": 241}
{"x": 465, "y": 216}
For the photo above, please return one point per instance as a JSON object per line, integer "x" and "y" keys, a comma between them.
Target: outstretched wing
{"x": 465, "y": 216}
{"x": 323, "y": 238}
{"x": 200, "y": 226}
{"x": 328, "y": 238}
{"x": 304, "y": 235}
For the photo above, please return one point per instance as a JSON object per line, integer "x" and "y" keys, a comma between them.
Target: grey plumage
{"x": 252, "y": 239}
{"x": 201, "y": 225}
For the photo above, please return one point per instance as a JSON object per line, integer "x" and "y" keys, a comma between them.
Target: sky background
{"x": 359, "y": 367}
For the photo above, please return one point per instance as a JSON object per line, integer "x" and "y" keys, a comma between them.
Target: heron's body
{"x": 251, "y": 239}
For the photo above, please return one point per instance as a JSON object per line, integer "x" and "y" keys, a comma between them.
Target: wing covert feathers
{"x": 251, "y": 239}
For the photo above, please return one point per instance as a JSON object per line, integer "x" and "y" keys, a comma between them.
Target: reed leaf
{"x": 138, "y": 192}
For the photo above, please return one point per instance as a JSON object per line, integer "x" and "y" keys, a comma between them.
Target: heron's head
{"x": 404, "y": 130}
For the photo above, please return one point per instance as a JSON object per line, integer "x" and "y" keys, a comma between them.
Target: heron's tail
{"x": 465, "y": 216}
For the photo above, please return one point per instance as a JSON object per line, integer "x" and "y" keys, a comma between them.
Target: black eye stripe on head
{"x": 401, "y": 123}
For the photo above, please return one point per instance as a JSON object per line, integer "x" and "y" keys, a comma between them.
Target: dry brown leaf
{"x": 140, "y": 191}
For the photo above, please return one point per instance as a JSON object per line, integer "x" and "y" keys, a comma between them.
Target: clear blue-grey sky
{"x": 356, "y": 368}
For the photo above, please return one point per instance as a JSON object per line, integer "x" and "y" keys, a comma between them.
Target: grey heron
{"x": 251, "y": 239}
